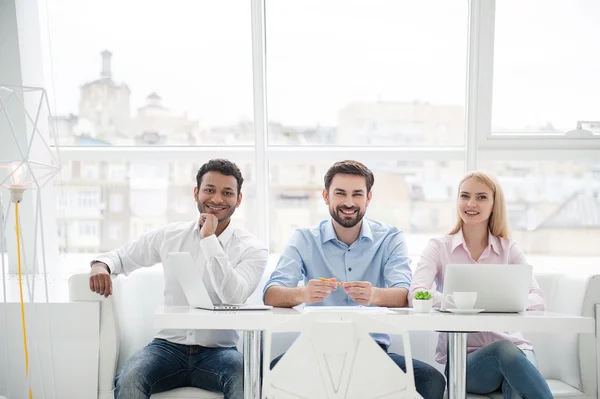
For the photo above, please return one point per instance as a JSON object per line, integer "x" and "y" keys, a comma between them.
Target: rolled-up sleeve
{"x": 396, "y": 271}
{"x": 536, "y": 295}
{"x": 290, "y": 266}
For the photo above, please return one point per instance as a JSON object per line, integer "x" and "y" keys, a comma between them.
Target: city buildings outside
{"x": 102, "y": 205}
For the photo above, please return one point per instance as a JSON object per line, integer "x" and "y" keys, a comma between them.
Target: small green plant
{"x": 423, "y": 295}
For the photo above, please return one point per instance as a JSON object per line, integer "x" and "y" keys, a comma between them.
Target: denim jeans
{"x": 502, "y": 365}
{"x": 429, "y": 382}
{"x": 163, "y": 365}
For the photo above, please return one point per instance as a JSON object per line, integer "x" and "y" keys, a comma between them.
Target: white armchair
{"x": 126, "y": 325}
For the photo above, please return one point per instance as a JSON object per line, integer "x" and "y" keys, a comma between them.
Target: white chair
{"x": 335, "y": 357}
{"x": 126, "y": 325}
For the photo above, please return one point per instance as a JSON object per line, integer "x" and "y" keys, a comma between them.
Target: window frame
{"x": 481, "y": 64}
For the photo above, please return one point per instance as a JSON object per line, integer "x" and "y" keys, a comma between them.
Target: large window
{"x": 151, "y": 73}
{"x": 546, "y": 66}
{"x": 366, "y": 72}
{"x": 143, "y": 93}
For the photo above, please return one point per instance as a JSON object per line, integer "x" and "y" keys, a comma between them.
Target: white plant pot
{"x": 422, "y": 306}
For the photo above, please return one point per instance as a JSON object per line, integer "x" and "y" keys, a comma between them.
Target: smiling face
{"x": 475, "y": 202}
{"x": 218, "y": 195}
{"x": 347, "y": 199}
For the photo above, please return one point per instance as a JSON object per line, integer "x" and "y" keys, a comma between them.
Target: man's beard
{"x": 202, "y": 208}
{"x": 344, "y": 221}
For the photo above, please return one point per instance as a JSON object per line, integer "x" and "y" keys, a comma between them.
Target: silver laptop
{"x": 500, "y": 288}
{"x": 190, "y": 278}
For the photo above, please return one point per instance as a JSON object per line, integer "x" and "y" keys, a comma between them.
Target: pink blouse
{"x": 453, "y": 249}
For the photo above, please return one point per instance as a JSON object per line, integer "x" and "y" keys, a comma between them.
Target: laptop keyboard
{"x": 231, "y": 305}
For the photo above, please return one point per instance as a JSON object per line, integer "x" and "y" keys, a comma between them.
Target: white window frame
{"x": 481, "y": 70}
{"x": 87, "y": 199}
{"x": 479, "y": 141}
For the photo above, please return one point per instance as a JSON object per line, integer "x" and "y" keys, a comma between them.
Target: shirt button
{"x": 349, "y": 269}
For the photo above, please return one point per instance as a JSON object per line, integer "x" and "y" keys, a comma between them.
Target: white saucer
{"x": 465, "y": 311}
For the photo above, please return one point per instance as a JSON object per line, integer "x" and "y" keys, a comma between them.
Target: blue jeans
{"x": 163, "y": 365}
{"x": 429, "y": 382}
{"x": 502, "y": 365}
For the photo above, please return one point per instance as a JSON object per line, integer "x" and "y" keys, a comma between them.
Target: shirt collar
{"x": 494, "y": 242}
{"x": 224, "y": 237}
{"x": 329, "y": 231}
{"x": 365, "y": 230}
{"x": 459, "y": 239}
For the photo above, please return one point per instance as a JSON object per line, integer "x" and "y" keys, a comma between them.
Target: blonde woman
{"x": 495, "y": 360}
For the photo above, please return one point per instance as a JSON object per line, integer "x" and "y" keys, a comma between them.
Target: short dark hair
{"x": 350, "y": 168}
{"x": 224, "y": 167}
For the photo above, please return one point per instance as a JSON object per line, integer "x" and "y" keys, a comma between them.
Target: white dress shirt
{"x": 234, "y": 263}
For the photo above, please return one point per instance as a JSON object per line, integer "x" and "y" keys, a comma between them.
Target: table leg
{"x": 252, "y": 364}
{"x": 457, "y": 365}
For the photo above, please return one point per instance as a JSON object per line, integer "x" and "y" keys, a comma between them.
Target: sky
{"x": 325, "y": 54}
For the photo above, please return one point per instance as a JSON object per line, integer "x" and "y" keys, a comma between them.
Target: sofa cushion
{"x": 588, "y": 343}
{"x": 184, "y": 393}
{"x": 559, "y": 390}
{"x": 563, "y": 294}
{"x": 136, "y": 297}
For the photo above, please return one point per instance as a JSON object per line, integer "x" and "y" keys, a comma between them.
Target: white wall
{"x": 63, "y": 343}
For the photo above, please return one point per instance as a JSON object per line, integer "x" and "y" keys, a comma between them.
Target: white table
{"x": 252, "y": 323}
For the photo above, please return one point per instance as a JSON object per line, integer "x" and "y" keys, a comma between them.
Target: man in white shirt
{"x": 234, "y": 262}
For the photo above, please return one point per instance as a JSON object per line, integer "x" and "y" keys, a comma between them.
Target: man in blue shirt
{"x": 369, "y": 256}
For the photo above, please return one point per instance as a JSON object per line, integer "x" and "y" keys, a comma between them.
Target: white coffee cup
{"x": 462, "y": 300}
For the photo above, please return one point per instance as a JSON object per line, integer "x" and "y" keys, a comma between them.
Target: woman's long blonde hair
{"x": 498, "y": 222}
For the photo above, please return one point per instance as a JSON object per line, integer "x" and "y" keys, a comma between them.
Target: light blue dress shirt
{"x": 379, "y": 256}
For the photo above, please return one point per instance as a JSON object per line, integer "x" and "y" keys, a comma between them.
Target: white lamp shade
{"x": 25, "y": 113}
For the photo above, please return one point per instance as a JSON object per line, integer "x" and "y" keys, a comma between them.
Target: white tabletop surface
{"x": 183, "y": 317}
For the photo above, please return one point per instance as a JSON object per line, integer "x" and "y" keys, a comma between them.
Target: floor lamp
{"x": 28, "y": 133}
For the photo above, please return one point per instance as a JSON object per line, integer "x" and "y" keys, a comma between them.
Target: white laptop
{"x": 500, "y": 288}
{"x": 190, "y": 278}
